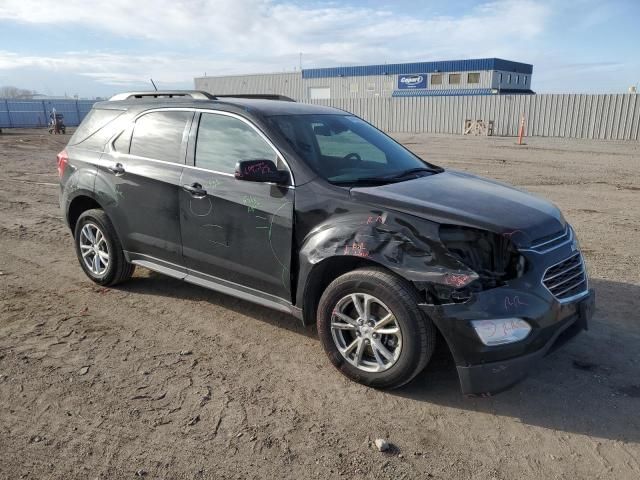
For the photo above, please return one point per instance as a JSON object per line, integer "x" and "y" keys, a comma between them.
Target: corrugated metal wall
{"x": 288, "y": 84}
{"x": 607, "y": 117}
{"x": 294, "y": 86}
{"x": 35, "y": 113}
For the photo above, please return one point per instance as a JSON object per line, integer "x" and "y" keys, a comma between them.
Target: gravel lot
{"x": 166, "y": 380}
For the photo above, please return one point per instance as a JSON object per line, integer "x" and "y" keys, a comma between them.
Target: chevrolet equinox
{"x": 310, "y": 210}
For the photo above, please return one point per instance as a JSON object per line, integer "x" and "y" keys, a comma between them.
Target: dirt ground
{"x": 161, "y": 379}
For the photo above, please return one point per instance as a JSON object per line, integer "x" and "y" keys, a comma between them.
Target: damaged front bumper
{"x": 484, "y": 370}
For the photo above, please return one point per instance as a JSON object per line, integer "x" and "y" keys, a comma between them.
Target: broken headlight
{"x": 492, "y": 257}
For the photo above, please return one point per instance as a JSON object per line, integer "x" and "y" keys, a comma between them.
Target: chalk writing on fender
{"x": 513, "y": 303}
{"x": 374, "y": 219}
{"x": 456, "y": 279}
{"x": 356, "y": 248}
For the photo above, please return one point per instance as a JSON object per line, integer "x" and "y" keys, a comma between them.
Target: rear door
{"x": 235, "y": 230}
{"x": 141, "y": 175}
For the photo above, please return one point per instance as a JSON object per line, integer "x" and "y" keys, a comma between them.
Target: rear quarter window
{"x": 93, "y": 132}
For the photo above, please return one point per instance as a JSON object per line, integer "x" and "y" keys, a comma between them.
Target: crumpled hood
{"x": 454, "y": 197}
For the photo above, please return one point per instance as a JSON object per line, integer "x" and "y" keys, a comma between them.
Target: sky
{"x": 95, "y": 48}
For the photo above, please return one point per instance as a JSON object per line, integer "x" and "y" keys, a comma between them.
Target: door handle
{"x": 117, "y": 169}
{"x": 196, "y": 190}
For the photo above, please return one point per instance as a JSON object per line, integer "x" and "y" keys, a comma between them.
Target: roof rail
{"x": 261, "y": 96}
{"x": 195, "y": 94}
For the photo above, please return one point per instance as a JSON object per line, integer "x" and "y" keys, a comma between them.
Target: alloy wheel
{"x": 94, "y": 249}
{"x": 366, "y": 332}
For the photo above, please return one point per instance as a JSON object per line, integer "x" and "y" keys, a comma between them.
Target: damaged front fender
{"x": 406, "y": 245}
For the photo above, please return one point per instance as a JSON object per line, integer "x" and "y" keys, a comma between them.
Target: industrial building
{"x": 485, "y": 76}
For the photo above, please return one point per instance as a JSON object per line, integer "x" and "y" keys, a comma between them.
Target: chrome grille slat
{"x": 559, "y": 294}
{"x": 556, "y": 242}
{"x": 555, "y": 275}
{"x": 566, "y": 279}
{"x": 559, "y": 237}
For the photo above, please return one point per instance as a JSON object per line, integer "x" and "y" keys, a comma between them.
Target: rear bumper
{"x": 551, "y": 330}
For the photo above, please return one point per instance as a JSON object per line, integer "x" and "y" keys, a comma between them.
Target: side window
{"x": 224, "y": 140}
{"x": 158, "y": 135}
{"x": 123, "y": 141}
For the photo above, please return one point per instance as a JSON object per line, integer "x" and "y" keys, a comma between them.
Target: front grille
{"x": 567, "y": 278}
{"x": 551, "y": 242}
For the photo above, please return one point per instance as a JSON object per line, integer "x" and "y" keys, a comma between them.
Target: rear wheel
{"x": 99, "y": 250}
{"x": 372, "y": 329}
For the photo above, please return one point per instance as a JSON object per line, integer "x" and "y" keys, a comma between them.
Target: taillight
{"x": 63, "y": 161}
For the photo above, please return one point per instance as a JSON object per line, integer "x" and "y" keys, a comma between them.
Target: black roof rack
{"x": 261, "y": 96}
{"x": 195, "y": 95}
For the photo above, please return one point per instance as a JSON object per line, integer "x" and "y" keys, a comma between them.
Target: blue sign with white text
{"x": 414, "y": 80}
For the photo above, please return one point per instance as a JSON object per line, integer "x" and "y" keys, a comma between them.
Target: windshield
{"x": 345, "y": 149}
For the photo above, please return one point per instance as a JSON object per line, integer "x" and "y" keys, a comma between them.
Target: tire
{"x": 112, "y": 267}
{"x": 384, "y": 291}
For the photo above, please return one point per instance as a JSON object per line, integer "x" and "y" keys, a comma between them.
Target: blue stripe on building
{"x": 457, "y": 91}
{"x": 420, "y": 67}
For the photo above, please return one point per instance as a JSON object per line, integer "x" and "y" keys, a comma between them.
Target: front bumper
{"x": 485, "y": 370}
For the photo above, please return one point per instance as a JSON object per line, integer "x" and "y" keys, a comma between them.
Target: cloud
{"x": 244, "y": 36}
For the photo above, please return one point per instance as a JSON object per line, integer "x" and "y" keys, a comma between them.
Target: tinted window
{"x": 92, "y": 129}
{"x": 223, "y": 141}
{"x": 344, "y": 148}
{"x": 158, "y": 135}
{"x": 122, "y": 142}
{"x": 345, "y": 143}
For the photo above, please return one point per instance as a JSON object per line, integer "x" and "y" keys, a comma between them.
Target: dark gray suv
{"x": 312, "y": 211}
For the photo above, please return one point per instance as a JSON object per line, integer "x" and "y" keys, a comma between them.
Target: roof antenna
{"x": 154, "y": 85}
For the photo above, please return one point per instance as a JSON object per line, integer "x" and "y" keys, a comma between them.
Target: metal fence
{"x": 607, "y": 117}
{"x": 35, "y": 113}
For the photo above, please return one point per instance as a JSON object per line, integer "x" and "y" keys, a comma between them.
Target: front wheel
{"x": 99, "y": 250}
{"x": 372, "y": 329}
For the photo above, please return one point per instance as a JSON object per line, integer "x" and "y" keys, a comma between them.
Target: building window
{"x": 499, "y": 78}
{"x": 509, "y": 79}
{"x": 517, "y": 79}
{"x": 524, "y": 80}
{"x": 454, "y": 78}
{"x": 436, "y": 79}
{"x": 473, "y": 77}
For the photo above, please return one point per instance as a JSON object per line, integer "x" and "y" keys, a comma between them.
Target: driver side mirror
{"x": 260, "y": 171}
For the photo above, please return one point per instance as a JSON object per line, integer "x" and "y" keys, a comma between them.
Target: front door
{"x": 235, "y": 230}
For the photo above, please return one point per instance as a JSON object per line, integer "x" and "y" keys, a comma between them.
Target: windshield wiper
{"x": 396, "y": 177}
{"x": 412, "y": 171}
{"x": 362, "y": 181}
